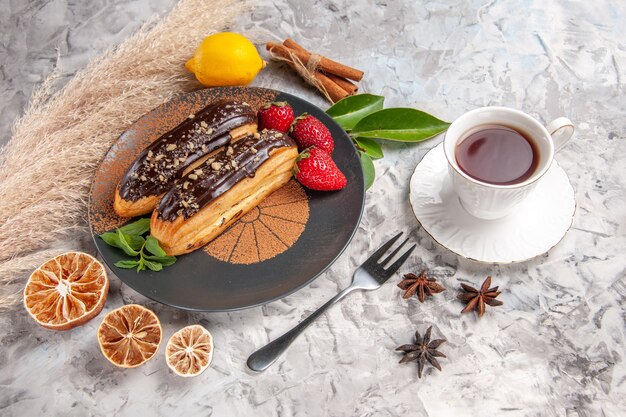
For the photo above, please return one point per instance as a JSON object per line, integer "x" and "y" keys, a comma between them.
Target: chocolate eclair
{"x": 205, "y": 202}
{"x": 178, "y": 151}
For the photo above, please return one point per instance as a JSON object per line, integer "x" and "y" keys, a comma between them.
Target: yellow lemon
{"x": 225, "y": 58}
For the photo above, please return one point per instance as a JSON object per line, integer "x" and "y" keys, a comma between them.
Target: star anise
{"x": 476, "y": 299}
{"x": 420, "y": 284}
{"x": 423, "y": 350}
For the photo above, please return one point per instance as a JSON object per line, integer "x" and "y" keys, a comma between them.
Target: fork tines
{"x": 372, "y": 261}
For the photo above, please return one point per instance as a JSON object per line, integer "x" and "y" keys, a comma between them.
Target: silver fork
{"x": 369, "y": 276}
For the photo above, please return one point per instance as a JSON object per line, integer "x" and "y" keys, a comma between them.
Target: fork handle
{"x": 267, "y": 355}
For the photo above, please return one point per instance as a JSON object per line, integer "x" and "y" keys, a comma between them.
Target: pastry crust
{"x": 127, "y": 208}
{"x": 186, "y": 234}
{"x": 178, "y": 152}
{"x": 145, "y": 205}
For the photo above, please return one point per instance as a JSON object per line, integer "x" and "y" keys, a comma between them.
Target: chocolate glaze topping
{"x": 220, "y": 173}
{"x": 155, "y": 169}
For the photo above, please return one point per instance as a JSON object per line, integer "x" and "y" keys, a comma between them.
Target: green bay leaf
{"x": 368, "y": 170}
{"x": 370, "y": 147}
{"x": 401, "y": 124}
{"x": 348, "y": 111}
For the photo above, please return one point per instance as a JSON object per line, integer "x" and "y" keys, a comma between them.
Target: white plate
{"x": 537, "y": 224}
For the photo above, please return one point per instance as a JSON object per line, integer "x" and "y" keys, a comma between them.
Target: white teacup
{"x": 491, "y": 201}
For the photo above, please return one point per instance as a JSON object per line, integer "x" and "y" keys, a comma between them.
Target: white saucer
{"x": 539, "y": 223}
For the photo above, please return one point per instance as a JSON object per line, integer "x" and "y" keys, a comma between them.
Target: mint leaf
{"x": 152, "y": 246}
{"x": 128, "y": 264}
{"x": 401, "y": 124}
{"x": 154, "y": 266}
{"x": 350, "y": 110}
{"x": 124, "y": 245}
{"x": 134, "y": 241}
{"x": 137, "y": 228}
{"x": 163, "y": 260}
{"x": 140, "y": 265}
{"x": 129, "y": 239}
{"x": 111, "y": 239}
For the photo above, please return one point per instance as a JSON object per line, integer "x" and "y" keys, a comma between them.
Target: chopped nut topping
{"x": 185, "y": 204}
{"x": 203, "y": 124}
{"x": 159, "y": 157}
{"x": 257, "y": 159}
{"x": 209, "y": 131}
{"x": 216, "y": 166}
{"x": 171, "y": 147}
{"x": 279, "y": 135}
{"x": 229, "y": 150}
{"x": 234, "y": 163}
{"x": 253, "y": 150}
{"x": 143, "y": 178}
{"x": 191, "y": 116}
{"x": 162, "y": 178}
{"x": 257, "y": 135}
{"x": 185, "y": 185}
{"x": 190, "y": 145}
{"x": 182, "y": 159}
{"x": 192, "y": 176}
{"x": 150, "y": 153}
{"x": 197, "y": 171}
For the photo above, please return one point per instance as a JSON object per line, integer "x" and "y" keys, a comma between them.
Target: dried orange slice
{"x": 129, "y": 336}
{"x": 189, "y": 351}
{"x": 66, "y": 291}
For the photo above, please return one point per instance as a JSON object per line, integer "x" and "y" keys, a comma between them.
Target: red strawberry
{"x": 316, "y": 170}
{"x": 278, "y": 115}
{"x": 309, "y": 131}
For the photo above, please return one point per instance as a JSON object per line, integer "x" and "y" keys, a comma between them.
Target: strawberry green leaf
{"x": 369, "y": 171}
{"x": 348, "y": 111}
{"x": 401, "y": 124}
{"x": 370, "y": 147}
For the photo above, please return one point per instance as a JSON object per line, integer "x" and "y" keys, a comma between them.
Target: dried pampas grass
{"x": 47, "y": 167}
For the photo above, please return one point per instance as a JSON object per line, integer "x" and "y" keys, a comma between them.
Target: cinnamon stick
{"x": 350, "y": 87}
{"x": 325, "y": 64}
{"x": 333, "y": 89}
